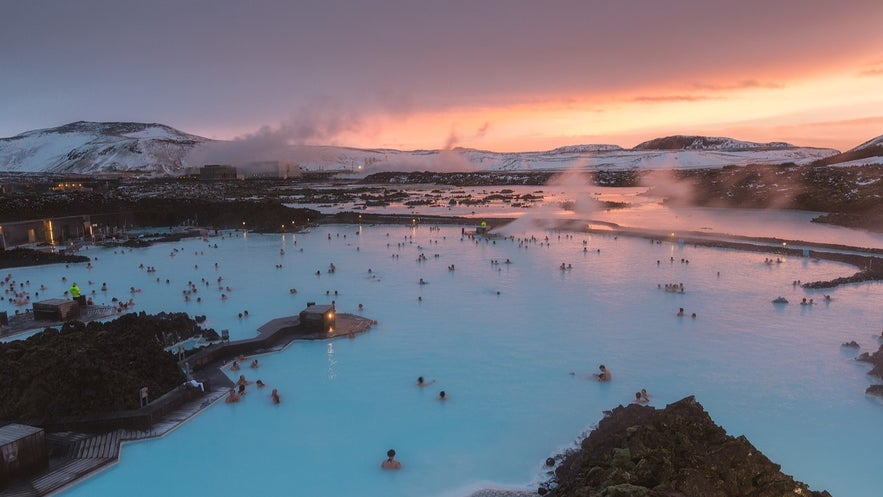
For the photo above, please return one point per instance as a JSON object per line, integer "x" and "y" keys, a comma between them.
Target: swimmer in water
{"x": 603, "y": 375}
{"x": 390, "y": 461}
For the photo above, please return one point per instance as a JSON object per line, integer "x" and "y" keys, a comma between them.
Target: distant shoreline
{"x": 869, "y": 261}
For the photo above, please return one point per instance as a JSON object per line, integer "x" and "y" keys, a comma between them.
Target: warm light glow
{"x": 838, "y": 109}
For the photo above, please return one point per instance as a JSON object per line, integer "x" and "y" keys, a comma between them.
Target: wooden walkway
{"x": 85, "y": 453}
{"x": 74, "y": 455}
{"x": 25, "y": 322}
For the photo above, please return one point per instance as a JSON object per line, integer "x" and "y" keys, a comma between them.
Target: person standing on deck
{"x": 75, "y": 291}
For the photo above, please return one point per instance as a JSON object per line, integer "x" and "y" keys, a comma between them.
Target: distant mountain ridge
{"x": 683, "y": 142}
{"x": 158, "y": 150}
{"x": 105, "y": 147}
{"x": 868, "y": 153}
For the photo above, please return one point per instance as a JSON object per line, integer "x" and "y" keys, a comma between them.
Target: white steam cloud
{"x": 288, "y": 141}
{"x": 568, "y": 198}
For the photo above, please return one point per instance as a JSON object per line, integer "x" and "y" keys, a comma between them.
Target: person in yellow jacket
{"x": 75, "y": 291}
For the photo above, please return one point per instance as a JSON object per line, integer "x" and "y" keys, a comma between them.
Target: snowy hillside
{"x": 86, "y": 147}
{"x": 681, "y": 142}
{"x": 155, "y": 149}
{"x": 868, "y": 153}
{"x": 876, "y": 142}
{"x": 592, "y": 158}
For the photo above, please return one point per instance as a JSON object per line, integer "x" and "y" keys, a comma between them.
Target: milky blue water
{"x": 776, "y": 374}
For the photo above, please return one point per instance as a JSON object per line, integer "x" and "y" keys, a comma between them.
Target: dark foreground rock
{"x": 677, "y": 451}
{"x": 85, "y": 369}
{"x": 21, "y": 257}
{"x": 875, "y": 390}
{"x": 876, "y": 360}
{"x": 162, "y": 209}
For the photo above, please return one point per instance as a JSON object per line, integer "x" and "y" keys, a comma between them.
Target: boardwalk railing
{"x": 132, "y": 419}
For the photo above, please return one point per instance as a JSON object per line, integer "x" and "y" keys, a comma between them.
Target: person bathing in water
{"x": 603, "y": 374}
{"x": 390, "y": 462}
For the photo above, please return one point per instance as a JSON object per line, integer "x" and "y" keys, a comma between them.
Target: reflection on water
{"x": 331, "y": 362}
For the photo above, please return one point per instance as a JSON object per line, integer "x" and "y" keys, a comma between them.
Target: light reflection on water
{"x": 777, "y": 375}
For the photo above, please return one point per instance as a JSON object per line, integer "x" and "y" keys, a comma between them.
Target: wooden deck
{"x": 25, "y": 322}
{"x": 86, "y": 453}
{"x": 75, "y": 455}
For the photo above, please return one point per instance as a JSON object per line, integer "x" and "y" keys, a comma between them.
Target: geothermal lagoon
{"x": 514, "y": 346}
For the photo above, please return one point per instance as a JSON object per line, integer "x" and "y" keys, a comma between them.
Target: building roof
{"x": 54, "y": 301}
{"x": 318, "y": 309}
{"x": 14, "y": 431}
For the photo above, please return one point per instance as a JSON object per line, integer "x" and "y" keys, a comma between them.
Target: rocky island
{"x": 87, "y": 369}
{"x": 641, "y": 451}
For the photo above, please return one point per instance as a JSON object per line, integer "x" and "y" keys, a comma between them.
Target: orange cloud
{"x": 740, "y": 85}
{"x": 673, "y": 98}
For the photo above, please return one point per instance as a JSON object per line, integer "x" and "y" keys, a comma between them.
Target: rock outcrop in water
{"x": 91, "y": 368}
{"x": 876, "y": 360}
{"x": 211, "y": 209}
{"x": 21, "y": 257}
{"x": 640, "y": 451}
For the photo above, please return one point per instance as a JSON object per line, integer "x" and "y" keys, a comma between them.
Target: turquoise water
{"x": 775, "y": 374}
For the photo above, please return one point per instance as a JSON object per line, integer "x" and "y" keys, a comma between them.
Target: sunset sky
{"x": 501, "y": 75}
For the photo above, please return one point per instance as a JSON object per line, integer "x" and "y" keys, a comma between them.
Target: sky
{"x": 501, "y": 75}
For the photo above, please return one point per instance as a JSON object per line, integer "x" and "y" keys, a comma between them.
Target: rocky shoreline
{"x": 91, "y": 368}
{"x": 640, "y": 451}
{"x": 22, "y": 257}
{"x": 848, "y": 196}
{"x": 876, "y": 361}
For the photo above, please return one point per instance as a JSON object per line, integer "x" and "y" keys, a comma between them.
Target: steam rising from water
{"x": 571, "y": 200}
{"x": 301, "y": 138}
{"x": 284, "y": 142}
{"x": 664, "y": 183}
{"x": 449, "y": 159}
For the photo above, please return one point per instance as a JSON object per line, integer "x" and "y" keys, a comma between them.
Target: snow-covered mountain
{"x": 873, "y": 143}
{"x": 155, "y": 149}
{"x": 698, "y": 152}
{"x": 868, "y": 153}
{"x": 682, "y": 142}
{"x": 88, "y": 147}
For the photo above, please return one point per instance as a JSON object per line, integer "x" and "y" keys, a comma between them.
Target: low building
{"x": 70, "y": 186}
{"x": 317, "y": 318}
{"x": 56, "y": 310}
{"x": 274, "y": 169}
{"x": 54, "y": 231}
{"x": 22, "y": 451}
{"x": 217, "y": 172}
